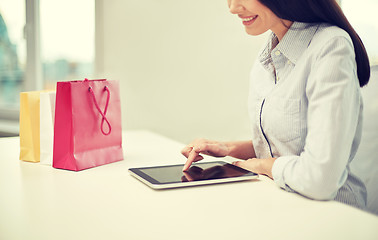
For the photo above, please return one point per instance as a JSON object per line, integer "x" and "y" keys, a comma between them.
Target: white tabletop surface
{"x": 40, "y": 202}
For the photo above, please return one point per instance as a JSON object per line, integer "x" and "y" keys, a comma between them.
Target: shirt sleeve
{"x": 333, "y": 107}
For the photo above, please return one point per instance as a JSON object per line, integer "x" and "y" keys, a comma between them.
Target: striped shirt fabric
{"x": 306, "y": 110}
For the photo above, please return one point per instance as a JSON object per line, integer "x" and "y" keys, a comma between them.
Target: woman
{"x": 304, "y": 102}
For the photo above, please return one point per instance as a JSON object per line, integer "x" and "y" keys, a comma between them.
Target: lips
{"x": 249, "y": 20}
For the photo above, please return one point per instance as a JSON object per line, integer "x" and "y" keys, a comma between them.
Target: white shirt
{"x": 306, "y": 111}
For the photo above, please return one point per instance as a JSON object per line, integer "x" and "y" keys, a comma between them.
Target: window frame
{"x": 9, "y": 117}
{"x": 33, "y": 74}
{"x": 33, "y": 71}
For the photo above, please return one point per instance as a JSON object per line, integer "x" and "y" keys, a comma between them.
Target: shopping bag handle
{"x": 103, "y": 114}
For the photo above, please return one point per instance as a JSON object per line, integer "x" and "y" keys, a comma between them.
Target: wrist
{"x": 241, "y": 149}
{"x": 267, "y": 166}
{"x": 230, "y": 148}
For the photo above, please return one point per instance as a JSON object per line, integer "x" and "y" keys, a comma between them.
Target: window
{"x": 361, "y": 14}
{"x": 67, "y": 40}
{"x": 59, "y": 46}
{"x": 12, "y": 62}
{"x": 12, "y": 50}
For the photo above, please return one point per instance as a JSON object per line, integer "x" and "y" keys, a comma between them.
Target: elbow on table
{"x": 321, "y": 191}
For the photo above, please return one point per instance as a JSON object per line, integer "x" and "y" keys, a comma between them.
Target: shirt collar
{"x": 293, "y": 44}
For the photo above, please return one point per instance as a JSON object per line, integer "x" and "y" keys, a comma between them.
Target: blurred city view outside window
{"x": 67, "y": 32}
{"x": 12, "y": 51}
{"x": 67, "y": 40}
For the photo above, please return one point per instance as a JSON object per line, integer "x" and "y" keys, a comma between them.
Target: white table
{"x": 40, "y": 202}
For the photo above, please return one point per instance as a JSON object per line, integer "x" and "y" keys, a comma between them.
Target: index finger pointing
{"x": 191, "y": 158}
{"x": 186, "y": 151}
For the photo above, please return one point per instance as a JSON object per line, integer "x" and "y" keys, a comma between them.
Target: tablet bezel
{"x": 155, "y": 184}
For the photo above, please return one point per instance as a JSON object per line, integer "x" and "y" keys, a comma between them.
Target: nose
{"x": 235, "y": 6}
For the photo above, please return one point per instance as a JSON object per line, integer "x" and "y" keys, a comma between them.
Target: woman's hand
{"x": 194, "y": 150}
{"x": 258, "y": 165}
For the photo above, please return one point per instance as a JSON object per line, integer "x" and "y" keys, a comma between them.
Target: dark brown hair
{"x": 323, "y": 11}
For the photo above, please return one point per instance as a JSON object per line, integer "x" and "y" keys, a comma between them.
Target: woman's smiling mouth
{"x": 249, "y": 20}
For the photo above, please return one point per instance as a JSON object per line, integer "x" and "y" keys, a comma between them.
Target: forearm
{"x": 241, "y": 149}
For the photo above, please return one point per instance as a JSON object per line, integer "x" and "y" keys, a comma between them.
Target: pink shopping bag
{"x": 87, "y": 130}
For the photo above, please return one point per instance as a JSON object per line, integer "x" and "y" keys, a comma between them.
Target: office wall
{"x": 183, "y": 66}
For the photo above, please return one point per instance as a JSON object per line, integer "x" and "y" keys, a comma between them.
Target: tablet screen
{"x": 197, "y": 172}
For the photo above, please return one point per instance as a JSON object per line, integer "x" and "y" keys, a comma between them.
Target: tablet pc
{"x": 172, "y": 176}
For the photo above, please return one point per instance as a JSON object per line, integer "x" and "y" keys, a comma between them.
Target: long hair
{"x": 323, "y": 11}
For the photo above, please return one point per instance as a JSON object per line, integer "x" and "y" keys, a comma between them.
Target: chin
{"x": 254, "y": 32}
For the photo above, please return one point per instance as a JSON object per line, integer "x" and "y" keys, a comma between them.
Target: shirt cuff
{"x": 278, "y": 171}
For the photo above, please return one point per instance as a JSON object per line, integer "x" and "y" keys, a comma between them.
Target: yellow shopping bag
{"x": 29, "y": 126}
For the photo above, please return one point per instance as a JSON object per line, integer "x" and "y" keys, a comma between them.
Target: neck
{"x": 281, "y": 28}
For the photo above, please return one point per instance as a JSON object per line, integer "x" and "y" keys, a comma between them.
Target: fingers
{"x": 215, "y": 149}
{"x": 240, "y": 164}
{"x": 252, "y": 164}
{"x": 192, "y": 154}
{"x": 192, "y": 151}
{"x": 186, "y": 150}
{"x": 192, "y": 157}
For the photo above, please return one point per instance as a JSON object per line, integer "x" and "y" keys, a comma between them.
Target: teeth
{"x": 248, "y": 19}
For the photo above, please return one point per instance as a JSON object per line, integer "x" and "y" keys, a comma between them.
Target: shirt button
{"x": 277, "y": 53}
